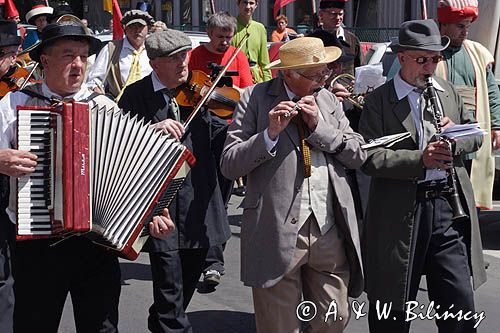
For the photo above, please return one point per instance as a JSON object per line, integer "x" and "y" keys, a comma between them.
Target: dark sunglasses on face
{"x": 424, "y": 60}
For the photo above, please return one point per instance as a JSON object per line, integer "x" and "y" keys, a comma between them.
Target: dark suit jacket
{"x": 395, "y": 172}
{"x": 198, "y": 210}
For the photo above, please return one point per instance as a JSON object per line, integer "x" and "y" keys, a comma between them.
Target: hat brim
{"x": 136, "y": 20}
{"x": 10, "y": 41}
{"x": 36, "y": 51}
{"x": 37, "y": 12}
{"x": 332, "y": 53}
{"x": 445, "y": 41}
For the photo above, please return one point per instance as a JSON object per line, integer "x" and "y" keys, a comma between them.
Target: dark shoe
{"x": 486, "y": 264}
{"x": 211, "y": 277}
{"x": 240, "y": 191}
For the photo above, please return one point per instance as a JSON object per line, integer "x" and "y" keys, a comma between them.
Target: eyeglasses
{"x": 318, "y": 78}
{"x": 424, "y": 60}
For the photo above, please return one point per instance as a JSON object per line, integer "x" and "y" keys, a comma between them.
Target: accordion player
{"x": 99, "y": 172}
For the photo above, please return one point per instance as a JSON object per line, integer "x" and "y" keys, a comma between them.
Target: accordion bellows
{"x": 99, "y": 172}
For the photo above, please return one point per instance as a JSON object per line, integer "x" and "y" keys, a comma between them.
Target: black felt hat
{"x": 8, "y": 33}
{"x": 56, "y": 31}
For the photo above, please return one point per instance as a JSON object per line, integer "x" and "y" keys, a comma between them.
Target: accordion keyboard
{"x": 35, "y": 195}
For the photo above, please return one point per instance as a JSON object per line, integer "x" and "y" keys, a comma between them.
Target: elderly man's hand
{"x": 170, "y": 126}
{"x": 161, "y": 225}
{"x": 340, "y": 91}
{"x": 279, "y": 118}
{"x": 446, "y": 123}
{"x": 309, "y": 111}
{"x": 16, "y": 163}
{"x": 437, "y": 155}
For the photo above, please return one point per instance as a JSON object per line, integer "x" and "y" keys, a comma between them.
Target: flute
{"x": 296, "y": 107}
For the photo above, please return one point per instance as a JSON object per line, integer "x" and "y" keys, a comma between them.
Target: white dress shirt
{"x": 98, "y": 71}
{"x": 404, "y": 89}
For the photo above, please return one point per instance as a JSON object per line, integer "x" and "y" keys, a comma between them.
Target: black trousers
{"x": 215, "y": 259}
{"x": 175, "y": 276}
{"x": 45, "y": 274}
{"x": 439, "y": 253}
{"x": 7, "y": 235}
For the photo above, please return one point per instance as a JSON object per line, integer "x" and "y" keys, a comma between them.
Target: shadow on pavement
{"x": 489, "y": 222}
{"x": 219, "y": 321}
{"x": 135, "y": 271}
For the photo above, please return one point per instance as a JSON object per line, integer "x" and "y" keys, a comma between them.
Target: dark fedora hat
{"x": 421, "y": 35}
{"x": 8, "y": 33}
{"x": 66, "y": 29}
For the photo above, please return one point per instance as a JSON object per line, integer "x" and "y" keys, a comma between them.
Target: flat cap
{"x": 136, "y": 16}
{"x": 166, "y": 43}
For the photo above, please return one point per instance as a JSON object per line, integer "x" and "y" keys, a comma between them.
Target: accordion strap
{"x": 32, "y": 93}
{"x": 53, "y": 101}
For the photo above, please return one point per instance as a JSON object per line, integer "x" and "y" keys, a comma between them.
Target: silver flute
{"x": 296, "y": 107}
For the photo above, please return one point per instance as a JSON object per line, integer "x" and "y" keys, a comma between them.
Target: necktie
{"x": 304, "y": 146}
{"x": 135, "y": 71}
{"x": 172, "y": 107}
{"x": 427, "y": 120}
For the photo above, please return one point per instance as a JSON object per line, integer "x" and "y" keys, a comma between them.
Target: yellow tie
{"x": 135, "y": 71}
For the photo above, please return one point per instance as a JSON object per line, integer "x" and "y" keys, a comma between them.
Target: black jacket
{"x": 198, "y": 209}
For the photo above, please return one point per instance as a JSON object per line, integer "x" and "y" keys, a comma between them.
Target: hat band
{"x": 422, "y": 41}
{"x": 309, "y": 58}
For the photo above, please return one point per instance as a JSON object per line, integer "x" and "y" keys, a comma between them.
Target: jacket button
{"x": 294, "y": 220}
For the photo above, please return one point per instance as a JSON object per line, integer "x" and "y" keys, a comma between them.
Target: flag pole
{"x": 212, "y": 6}
{"x": 424, "y": 10}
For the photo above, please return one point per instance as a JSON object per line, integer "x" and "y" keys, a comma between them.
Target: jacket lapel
{"x": 402, "y": 111}
{"x": 277, "y": 89}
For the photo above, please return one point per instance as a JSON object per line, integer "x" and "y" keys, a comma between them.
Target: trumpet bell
{"x": 347, "y": 81}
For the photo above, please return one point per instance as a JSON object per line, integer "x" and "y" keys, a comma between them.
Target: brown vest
{"x": 113, "y": 80}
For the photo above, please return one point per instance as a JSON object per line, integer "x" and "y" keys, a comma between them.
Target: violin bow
{"x": 30, "y": 74}
{"x": 205, "y": 97}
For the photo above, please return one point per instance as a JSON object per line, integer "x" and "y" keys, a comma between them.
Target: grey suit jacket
{"x": 395, "y": 172}
{"x": 271, "y": 207}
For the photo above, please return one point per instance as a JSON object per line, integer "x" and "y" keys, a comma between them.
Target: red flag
{"x": 280, "y": 4}
{"x": 117, "y": 18}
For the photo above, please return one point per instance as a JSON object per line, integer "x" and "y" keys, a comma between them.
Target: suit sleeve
{"x": 264, "y": 56}
{"x": 245, "y": 148}
{"x": 335, "y": 136}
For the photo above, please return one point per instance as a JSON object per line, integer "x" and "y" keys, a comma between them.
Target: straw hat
{"x": 305, "y": 52}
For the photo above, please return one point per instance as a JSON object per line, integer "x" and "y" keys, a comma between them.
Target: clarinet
{"x": 437, "y": 112}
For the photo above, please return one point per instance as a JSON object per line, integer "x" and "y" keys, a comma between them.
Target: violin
{"x": 15, "y": 79}
{"x": 222, "y": 102}
{"x": 211, "y": 88}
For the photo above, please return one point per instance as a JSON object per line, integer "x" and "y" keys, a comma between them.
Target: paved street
{"x": 229, "y": 309}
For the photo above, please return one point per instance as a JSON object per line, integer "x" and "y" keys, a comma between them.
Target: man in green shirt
{"x": 468, "y": 66}
{"x": 255, "y": 47}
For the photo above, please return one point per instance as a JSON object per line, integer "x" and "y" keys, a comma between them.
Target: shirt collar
{"x": 340, "y": 33}
{"x": 403, "y": 88}
{"x": 83, "y": 93}
{"x": 289, "y": 93}
{"x": 157, "y": 85}
{"x": 126, "y": 44}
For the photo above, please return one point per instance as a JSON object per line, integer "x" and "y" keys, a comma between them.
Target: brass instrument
{"x": 437, "y": 112}
{"x": 347, "y": 80}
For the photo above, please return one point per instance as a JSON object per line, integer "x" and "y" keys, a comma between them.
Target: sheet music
{"x": 463, "y": 131}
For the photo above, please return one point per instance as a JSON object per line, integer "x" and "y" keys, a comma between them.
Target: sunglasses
{"x": 424, "y": 60}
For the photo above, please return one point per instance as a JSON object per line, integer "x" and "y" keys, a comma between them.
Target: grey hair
{"x": 222, "y": 20}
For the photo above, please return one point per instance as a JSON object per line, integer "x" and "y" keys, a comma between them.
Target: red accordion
{"x": 99, "y": 172}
